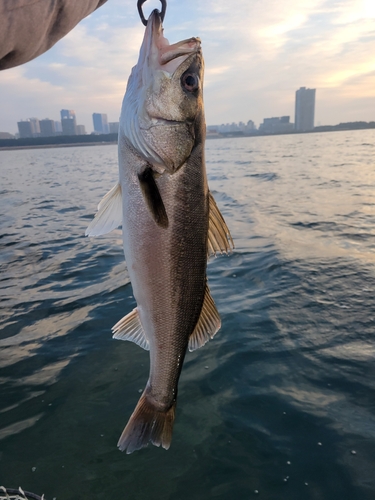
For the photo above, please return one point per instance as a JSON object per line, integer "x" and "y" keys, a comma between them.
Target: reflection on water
{"x": 280, "y": 402}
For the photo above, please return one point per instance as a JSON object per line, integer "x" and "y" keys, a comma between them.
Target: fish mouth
{"x": 160, "y": 52}
{"x": 163, "y": 121}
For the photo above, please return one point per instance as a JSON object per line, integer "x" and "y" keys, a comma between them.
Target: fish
{"x": 170, "y": 223}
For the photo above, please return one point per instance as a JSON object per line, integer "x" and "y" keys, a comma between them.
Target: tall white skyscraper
{"x": 305, "y": 109}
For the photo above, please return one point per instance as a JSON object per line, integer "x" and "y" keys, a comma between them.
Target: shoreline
{"x": 209, "y": 136}
{"x": 50, "y": 146}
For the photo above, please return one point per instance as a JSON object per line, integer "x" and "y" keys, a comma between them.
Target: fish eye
{"x": 190, "y": 82}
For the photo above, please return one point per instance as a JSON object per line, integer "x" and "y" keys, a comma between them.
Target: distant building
{"x": 69, "y": 126}
{"x": 100, "y": 122}
{"x": 58, "y": 127}
{"x": 24, "y": 129}
{"x": 212, "y": 131}
{"x": 29, "y": 128}
{"x": 67, "y": 113}
{"x": 113, "y": 127}
{"x": 276, "y": 125}
{"x": 6, "y": 135}
{"x": 232, "y": 128}
{"x": 305, "y": 109}
{"x": 68, "y": 122}
{"x": 47, "y": 127}
{"x": 228, "y": 128}
{"x": 35, "y": 126}
{"x": 81, "y": 130}
{"x": 247, "y": 128}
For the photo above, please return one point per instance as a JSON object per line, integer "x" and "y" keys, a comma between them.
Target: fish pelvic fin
{"x": 208, "y": 324}
{"x": 148, "y": 424}
{"x": 130, "y": 328}
{"x": 219, "y": 237}
{"x": 109, "y": 214}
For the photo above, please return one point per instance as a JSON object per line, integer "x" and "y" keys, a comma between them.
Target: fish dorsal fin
{"x": 152, "y": 196}
{"x": 219, "y": 237}
{"x": 130, "y": 328}
{"x": 109, "y": 214}
{"x": 208, "y": 324}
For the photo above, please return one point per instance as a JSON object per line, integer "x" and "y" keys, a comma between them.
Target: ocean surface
{"x": 279, "y": 406}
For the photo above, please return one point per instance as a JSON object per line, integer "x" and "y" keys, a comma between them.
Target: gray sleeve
{"x": 30, "y": 27}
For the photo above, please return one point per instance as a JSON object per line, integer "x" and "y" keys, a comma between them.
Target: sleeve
{"x": 30, "y": 27}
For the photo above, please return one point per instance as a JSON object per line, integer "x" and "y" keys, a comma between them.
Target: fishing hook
{"x": 140, "y": 11}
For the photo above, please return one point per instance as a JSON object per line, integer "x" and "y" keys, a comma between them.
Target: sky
{"x": 257, "y": 54}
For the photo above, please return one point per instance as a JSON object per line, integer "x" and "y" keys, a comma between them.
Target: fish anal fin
{"x": 219, "y": 237}
{"x": 208, "y": 324}
{"x": 130, "y": 328}
{"x": 152, "y": 197}
{"x": 109, "y": 214}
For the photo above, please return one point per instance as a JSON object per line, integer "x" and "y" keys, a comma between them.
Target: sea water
{"x": 280, "y": 405}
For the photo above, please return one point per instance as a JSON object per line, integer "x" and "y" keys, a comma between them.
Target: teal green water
{"x": 280, "y": 405}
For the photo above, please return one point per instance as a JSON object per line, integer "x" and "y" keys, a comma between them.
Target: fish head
{"x": 162, "y": 114}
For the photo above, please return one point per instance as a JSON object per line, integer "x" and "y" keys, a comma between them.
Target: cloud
{"x": 257, "y": 54}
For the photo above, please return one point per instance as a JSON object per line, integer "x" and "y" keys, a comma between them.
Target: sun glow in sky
{"x": 257, "y": 54}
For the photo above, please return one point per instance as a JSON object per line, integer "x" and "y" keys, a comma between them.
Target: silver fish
{"x": 170, "y": 223}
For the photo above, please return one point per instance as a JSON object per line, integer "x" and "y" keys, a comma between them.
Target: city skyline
{"x": 304, "y": 106}
{"x": 33, "y": 127}
{"x": 256, "y": 55}
{"x": 304, "y": 122}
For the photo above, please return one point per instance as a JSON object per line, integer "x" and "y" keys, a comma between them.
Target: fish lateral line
{"x": 152, "y": 196}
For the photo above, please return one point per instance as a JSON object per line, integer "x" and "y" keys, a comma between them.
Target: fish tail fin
{"x": 147, "y": 424}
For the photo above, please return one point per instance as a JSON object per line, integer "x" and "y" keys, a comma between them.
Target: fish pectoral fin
{"x": 130, "y": 328}
{"x": 219, "y": 237}
{"x": 152, "y": 196}
{"x": 109, "y": 214}
{"x": 208, "y": 324}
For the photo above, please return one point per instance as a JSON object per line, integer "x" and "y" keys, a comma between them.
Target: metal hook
{"x": 140, "y": 11}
